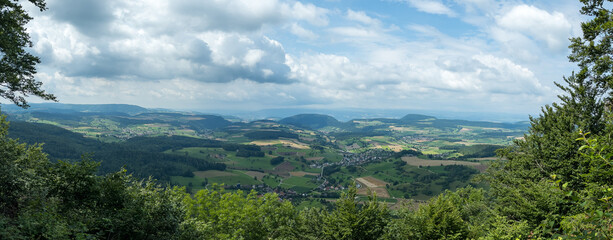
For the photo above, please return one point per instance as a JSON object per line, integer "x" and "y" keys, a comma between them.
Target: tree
{"x": 352, "y": 221}
{"x": 522, "y": 185}
{"x": 44, "y": 200}
{"x": 215, "y": 214}
{"x": 17, "y": 66}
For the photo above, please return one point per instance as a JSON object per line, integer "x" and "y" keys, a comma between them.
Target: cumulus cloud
{"x": 228, "y": 15}
{"x": 77, "y": 45}
{"x": 241, "y": 54}
{"x": 88, "y": 16}
{"x": 310, "y": 13}
{"x": 551, "y": 28}
{"x": 339, "y": 79}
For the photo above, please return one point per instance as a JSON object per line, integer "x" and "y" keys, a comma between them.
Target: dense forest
{"x": 555, "y": 183}
{"x": 141, "y": 156}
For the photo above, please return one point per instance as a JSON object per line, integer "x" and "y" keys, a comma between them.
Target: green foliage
{"x": 215, "y": 214}
{"x": 17, "y": 66}
{"x": 575, "y": 204}
{"x": 141, "y": 156}
{"x": 329, "y": 170}
{"x": 350, "y": 221}
{"x": 474, "y": 151}
{"x": 596, "y": 217}
{"x": 463, "y": 214}
{"x": 311, "y": 221}
{"x": 277, "y": 160}
{"x": 40, "y": 199}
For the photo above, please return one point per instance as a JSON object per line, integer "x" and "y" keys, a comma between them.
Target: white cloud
{"x": 139, "y": 53}
{"x": 551, "y": 28}
{"x": 310, "y": 13}
{"x": 239, "y": 54}
{"x": 355, "y": 32}
{"x": 431, "y": 6}
{"x": 414, "y": 77}
{"x": 360, "y": 16}
{"x": 301, "y": 32}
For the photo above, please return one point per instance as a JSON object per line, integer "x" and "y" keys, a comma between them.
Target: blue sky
{"x": 445, "y": 55}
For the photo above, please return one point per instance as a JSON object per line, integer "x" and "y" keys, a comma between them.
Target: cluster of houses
{"x": 127, "y": 133}
{"x": 354, "y": 159}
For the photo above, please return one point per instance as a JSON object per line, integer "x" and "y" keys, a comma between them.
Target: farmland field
{"x": 414, "y": 161}
{"x": 374, "y": 185}
{"x": 416, "y": 157}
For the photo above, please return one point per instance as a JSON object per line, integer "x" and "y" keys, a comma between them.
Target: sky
{"x": 245, "y": 55}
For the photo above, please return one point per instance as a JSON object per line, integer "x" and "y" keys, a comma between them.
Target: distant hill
{"x": 415, "y": 117}
{"x": 198, "y": 122}
{"x": 71, "y": 108}
{"x": 124, "y": 115}
{"x": 318, "y": 121}
{"x": 311, "y": 121}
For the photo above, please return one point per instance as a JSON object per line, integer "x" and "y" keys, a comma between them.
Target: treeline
{"x": 268, "y": 135}
{"x": 474, "y": 151}
{"x": 74, "y": 118}
{"x": 141, "y": 156}
{"x": 423, "y": 181}
{"x": 41, "y": 199}
{"x": 45, "y": 200}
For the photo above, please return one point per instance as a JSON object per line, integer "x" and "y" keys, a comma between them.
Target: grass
{"x": 414, "y": 161}
{"x": 299, "y": 184}
{"x": 271, "y": 181}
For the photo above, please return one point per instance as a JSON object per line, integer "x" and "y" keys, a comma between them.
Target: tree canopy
{"x": 17, "y": 65}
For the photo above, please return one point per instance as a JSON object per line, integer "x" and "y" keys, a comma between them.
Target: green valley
{"x": 307, "y": 156}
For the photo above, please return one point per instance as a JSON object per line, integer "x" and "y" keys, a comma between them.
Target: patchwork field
{"x": 283, "y": 169}
{"x": 284, "y": 142}
{"x": 255, "y": 174}
{"x": 292, "y": 156}
{"x": 212, "y": 174}
{"x": 415, "y": 161}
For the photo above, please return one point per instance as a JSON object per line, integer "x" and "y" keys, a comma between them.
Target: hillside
{"x": 309, "y": 154}
{"x": 311, "y": 121}
{"x": 143, "y": 157}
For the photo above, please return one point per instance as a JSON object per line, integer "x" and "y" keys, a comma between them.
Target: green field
{"x": 302, "y": 150}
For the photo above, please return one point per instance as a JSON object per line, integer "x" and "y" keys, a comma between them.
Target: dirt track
{"x": 374, "y": 185}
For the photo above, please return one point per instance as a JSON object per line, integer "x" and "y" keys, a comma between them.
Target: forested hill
{"x": 318, "y": 121}
{"x": 125, "y": 115}
{"x": 142, "y": 156}
{"x": 311, "y": 121}
{"x": 73, "y": 108}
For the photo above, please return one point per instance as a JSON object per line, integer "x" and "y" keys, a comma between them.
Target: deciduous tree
{"x": 17, "y": 65}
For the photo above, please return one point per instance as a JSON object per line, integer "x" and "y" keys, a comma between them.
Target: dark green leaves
{"x": 17, "y": 66}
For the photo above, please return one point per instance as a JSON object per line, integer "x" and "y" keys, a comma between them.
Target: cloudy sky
{"x": 449, "y": 55}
